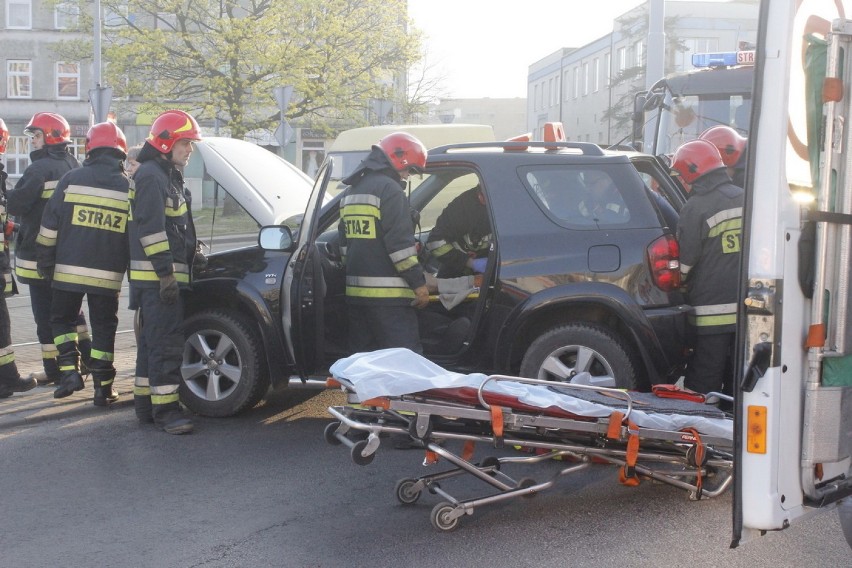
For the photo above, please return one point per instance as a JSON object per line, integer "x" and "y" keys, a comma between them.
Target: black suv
{"x": 568, "y": 287}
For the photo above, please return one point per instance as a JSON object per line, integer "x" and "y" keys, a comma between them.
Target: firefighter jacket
{"x": 377, "y": 236}
{"x": 5, "y": 267}
{"x": 462, "y": 231}
{"x": 709, "y": 237}
{"x": 161, "y": 231}
{"x": 83, "y": 235}
{"x": 28, "y": 199}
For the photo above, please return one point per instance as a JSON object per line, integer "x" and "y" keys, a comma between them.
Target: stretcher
{"x": 395, "y": 393}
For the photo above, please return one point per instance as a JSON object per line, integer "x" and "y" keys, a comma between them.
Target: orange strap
{"x": 627, "y": 474}
{"x": 613, "y": 432}
{"x": 699, "y": 458}
{"x": 497, "y": 425}
{"x": 431, "y": 458}
{"x": 467, "y": 450}
{"x": 378, "y": 402}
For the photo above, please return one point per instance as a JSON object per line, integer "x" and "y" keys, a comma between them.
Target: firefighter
{"x": 162, "y": 247}
{"x": 49, "y": 135}
{"x": 709, "y": 237}
{"x": 10, "y": 379}
{"x": 82, "y": 249}
{"x": 461, "y": 237}
{"x": 732, "y": 148}
{"x": 384, "y": 279}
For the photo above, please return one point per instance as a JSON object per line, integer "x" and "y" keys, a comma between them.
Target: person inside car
{"x": 602, "y": 201}
{"x": 461, "y": 237}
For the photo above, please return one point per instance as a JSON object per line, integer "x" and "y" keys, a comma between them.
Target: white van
{"x": 352, "y": 146}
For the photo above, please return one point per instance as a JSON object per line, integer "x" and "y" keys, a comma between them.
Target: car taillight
{"x": 664, "y": 260}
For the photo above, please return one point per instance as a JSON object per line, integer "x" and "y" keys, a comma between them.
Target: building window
{"x": 585, "y": 78}
{"x": 17, "y": 155}
{"x": 576, "y": 82}
{"x": 115, "y": 16}
{"x": 550, "y": 92}
{"x": 565, "y": 90}
{"x": 77, "y": 148}
{"x": 19, "y": 79}
{"x": 66, "y": 15}
{"x": 639, "y": 53}
{"x": 67, "y": 80}
{"x": 607, "y": 68}
{"x": 313, "y": 154}
{"x": 19, "y": 14}
{"x": 622, "y": 59}
{"x": 596, "y": 75}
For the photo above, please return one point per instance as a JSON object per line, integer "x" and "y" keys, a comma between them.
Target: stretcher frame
{"x": 700, "y": 464}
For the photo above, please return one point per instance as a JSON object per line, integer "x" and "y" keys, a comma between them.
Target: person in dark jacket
{"x": 10, "y": 379}
{"x": 162, "y": 250}
{"x": 384, "y": 279}
{"x": 710, "y": 251}
{"x": 82, "y": 248}
{"x": 461, "y": 237}
{"x": 50, "y": 159}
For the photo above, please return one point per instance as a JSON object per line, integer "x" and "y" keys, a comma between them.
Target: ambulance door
{"x": 794, "y": 403}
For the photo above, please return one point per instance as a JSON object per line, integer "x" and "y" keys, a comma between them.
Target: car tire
{"x": 566, "y": 351}
{"x": 232, "y": 381}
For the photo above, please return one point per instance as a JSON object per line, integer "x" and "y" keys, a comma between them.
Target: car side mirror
{"x": 275, "y": 237}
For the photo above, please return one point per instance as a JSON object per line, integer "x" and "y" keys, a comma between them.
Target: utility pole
{"x": 99, "y": 97}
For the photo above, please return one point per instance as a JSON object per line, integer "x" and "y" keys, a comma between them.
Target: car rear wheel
{"x": 221, "y": 368}
{"x": 562, "y": 353}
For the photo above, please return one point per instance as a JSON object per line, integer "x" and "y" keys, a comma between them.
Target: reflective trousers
{"x": 41, "y": 297}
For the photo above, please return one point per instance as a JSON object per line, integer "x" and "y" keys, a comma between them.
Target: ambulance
{"x": 794, "y": 395}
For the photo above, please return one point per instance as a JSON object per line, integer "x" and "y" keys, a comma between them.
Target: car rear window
{"x": 591, "y": 196}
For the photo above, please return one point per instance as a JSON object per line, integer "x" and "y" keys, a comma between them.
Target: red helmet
{"x": 54, "y": 127}
{"x": 727, "y": 140}
{"x": 694, "y": 159}
{"x": 404, "y": 151}
{"x": 106, "y": 135}
{"x": 4, "y": 136}
{"x": 171, "y": 126}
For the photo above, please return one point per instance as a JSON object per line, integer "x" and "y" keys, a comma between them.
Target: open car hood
{"x": 268, "y": 187}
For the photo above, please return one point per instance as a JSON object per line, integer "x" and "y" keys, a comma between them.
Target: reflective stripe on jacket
{"x": 83, "y": 233}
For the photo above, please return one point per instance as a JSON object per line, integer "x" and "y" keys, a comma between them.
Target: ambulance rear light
{"x": 723, "y": 59}
{"x": 664, "y": 262}
{"x": 756, "y": 430}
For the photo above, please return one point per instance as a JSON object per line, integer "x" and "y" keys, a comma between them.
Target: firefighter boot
{"x": 172, "y": 420}
{"x": 69, "y": 382}
{"x": 105, "y": 392}
{"x": 11, "y": 381}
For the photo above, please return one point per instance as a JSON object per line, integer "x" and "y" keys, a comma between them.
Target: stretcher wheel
{"x": 329, "y": 433}
{"x": 527, "y": 482}
{"x": 441, "y": 518}
{"x": 405, "y": 492}
{"x": 490, "y": 461}
{"x": 356, "y": 453}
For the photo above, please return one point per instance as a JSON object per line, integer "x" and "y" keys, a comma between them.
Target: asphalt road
{"x": 265, "y": 489}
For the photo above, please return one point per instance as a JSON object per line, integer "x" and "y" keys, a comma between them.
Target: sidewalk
{"x": 38, "y": 404}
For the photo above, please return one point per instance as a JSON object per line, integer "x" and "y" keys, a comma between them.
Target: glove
{"x": 45, "y": 272}
{"x": 421, "y": 299}
{"x": 478, "y": 264}
{"x": 169, "y": 289}
{"x": 199, "y": 261}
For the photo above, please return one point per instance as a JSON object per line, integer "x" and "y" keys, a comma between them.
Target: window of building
{"x": 66, "y": 15}
{"x": 639, "y": 53}
{"x": 313, "y": 154}
{"x": 585, "y": 78}
{"x": 607, "y": 68}
{"x": 565, "y": 90}
{"x": 67, "y": 80}
{"x": 19, "y": 14}
{"x": 19, "y": 79}
{"x": 596, "y": 75}
{"x": 576, "y": 82}
{"x": 622, "y": 59}
{"x": 17, "y": 155}
{"x": 550, "y": 92}
{"x": 115, "y": 16}
{"x": 77, "y": 148}
{"x": 535, "y": 97}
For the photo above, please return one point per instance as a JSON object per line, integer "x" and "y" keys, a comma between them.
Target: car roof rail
{"x": 586, "y": 148}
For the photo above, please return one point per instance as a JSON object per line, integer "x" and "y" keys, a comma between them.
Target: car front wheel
{"x": 221, "y": 368}
{"x": 564, "y": 352}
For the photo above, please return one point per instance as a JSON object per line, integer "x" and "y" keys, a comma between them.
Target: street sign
{"x": 282, "y": 96}
{"x": 100, "y": 98}
{"x": 284, "y": 134}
